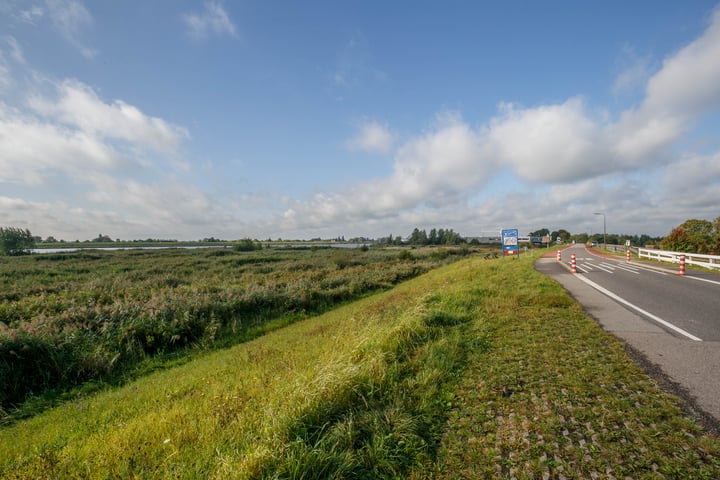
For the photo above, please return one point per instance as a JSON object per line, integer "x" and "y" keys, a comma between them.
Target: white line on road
{"x": 581, "y": 269}
{"x": 638, "y": 309}
{"x": 605, "y": 269}
{"x": 703, "y": 279}
{"x": 631, "y": 270}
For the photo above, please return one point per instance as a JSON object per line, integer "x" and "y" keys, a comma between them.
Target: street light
{"x": 604, "y": 230}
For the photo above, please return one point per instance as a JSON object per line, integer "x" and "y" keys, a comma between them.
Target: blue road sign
{"x": 510, "y": 242}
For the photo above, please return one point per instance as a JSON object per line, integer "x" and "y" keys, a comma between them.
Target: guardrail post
{"x": 559, "y": 257}
{"x": 627, "y": 255}
{"x": 573, "y": 265}
{"x": 682, "y": 265}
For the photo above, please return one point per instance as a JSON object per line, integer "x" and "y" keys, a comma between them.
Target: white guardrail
{"x": 707, "y": 261}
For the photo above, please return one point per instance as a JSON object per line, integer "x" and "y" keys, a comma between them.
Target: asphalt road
{"x": 671, "y": 323}
{"x": 691, "y": 303}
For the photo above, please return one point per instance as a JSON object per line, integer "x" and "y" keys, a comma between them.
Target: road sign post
{"x": 510, "y": 242}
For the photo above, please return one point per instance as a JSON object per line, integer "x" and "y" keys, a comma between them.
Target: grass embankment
{"x": 68, "y": 318}
{"x": 358, "y": 392}
{"x": 481, "y": 369}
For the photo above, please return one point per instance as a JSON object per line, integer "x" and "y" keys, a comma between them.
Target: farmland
{"x": 70, "y": 318}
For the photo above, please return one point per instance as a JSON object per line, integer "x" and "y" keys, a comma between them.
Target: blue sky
{"x": 189, "y": 119}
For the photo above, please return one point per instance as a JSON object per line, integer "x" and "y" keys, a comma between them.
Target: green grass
{"x": 556, "y": 395}
{"x": 70, "y": 318}
{"x": 480, "y": 369}
{"x": 358, "y": 392}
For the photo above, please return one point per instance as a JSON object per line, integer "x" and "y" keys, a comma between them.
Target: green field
{"x": 478, "y": 369}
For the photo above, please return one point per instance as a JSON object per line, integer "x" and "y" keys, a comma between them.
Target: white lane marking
{"x": 631, "y": 270}
{"x": 581, "y": 269}
{"x": 611, "y": 266}
{"x": 640, "y": 310}
{"x": 605, "y": 269}
{"x": 702, "y": 279}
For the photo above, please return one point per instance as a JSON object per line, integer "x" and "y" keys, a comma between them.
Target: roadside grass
{"x": 558, "y": 397}
{"x": 480, "y": 369}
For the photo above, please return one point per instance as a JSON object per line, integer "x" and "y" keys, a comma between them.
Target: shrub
{"x": 16, "y": 241}
{"x": 247, "y": 245}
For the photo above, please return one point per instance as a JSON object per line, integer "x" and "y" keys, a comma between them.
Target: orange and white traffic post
{"x": 627, "y": 255}
{"x": 682, "y": 265}
{"x": 573, "y": 265}
{"x": 559, "y": 257}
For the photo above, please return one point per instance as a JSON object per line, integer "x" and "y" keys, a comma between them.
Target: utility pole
{"x": 604, "y": 230}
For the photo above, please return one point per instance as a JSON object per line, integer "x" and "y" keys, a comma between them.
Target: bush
{"x": 16, "y": 241}
{"x": 247, "y": 245}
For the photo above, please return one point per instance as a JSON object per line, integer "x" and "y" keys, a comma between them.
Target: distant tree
{"x": 450, "y": 237}
{"x": 700, "y": 233}
{"x": 540, "y": 233}
{"x": 580, "y": 238}
{"x": 247, "y": 245}
{"x": 418, "y": 237}
{"x": 50, "y": 239}
{"x": 102, "y": 238}
{"x": 715, "y": 241}
{"x": 16, "y": 241}
{"x": 677, "y": 241}
{"x": 696, "y": 236}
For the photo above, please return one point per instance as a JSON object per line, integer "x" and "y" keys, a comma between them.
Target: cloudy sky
{"x": 189, "y": 119}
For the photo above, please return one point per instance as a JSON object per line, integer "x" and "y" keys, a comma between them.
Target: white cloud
{"x": 635, "y": 72}
{"x": 10, "y": 52}
{"x": 31, "y": 151}
{"x": 550, "y": 142}
{"x": 31, "y": 15}
{"x": 214, "y": 19}
{"x": 373, "y": 137}
{"x": 163, "y": 200}
{"x": 70, "y": 18}
{"x": 13, "y": 49}
{"x": 79, "y": 106}
{"x": 693, "y": 183}
{"x": 687, "y": 85}
{"x": 429, "y": 169}
{"x": 689, "y": 81}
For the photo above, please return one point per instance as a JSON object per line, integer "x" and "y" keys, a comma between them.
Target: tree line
{"x": 437, "y": 236}
{"x": 694, "y": 236}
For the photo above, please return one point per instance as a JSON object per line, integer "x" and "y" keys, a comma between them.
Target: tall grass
{"x": 69, "y": 318}
{"x": 360, "y": 392}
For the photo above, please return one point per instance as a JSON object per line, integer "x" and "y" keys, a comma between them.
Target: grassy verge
{"x": 557, "y": 397}
{"x": 481, "y": 369}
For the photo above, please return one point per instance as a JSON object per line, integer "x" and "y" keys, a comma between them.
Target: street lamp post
{"x": 604, "y": 230}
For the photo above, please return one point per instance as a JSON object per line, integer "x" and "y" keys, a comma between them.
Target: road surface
{"x": 672, "y": 322}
